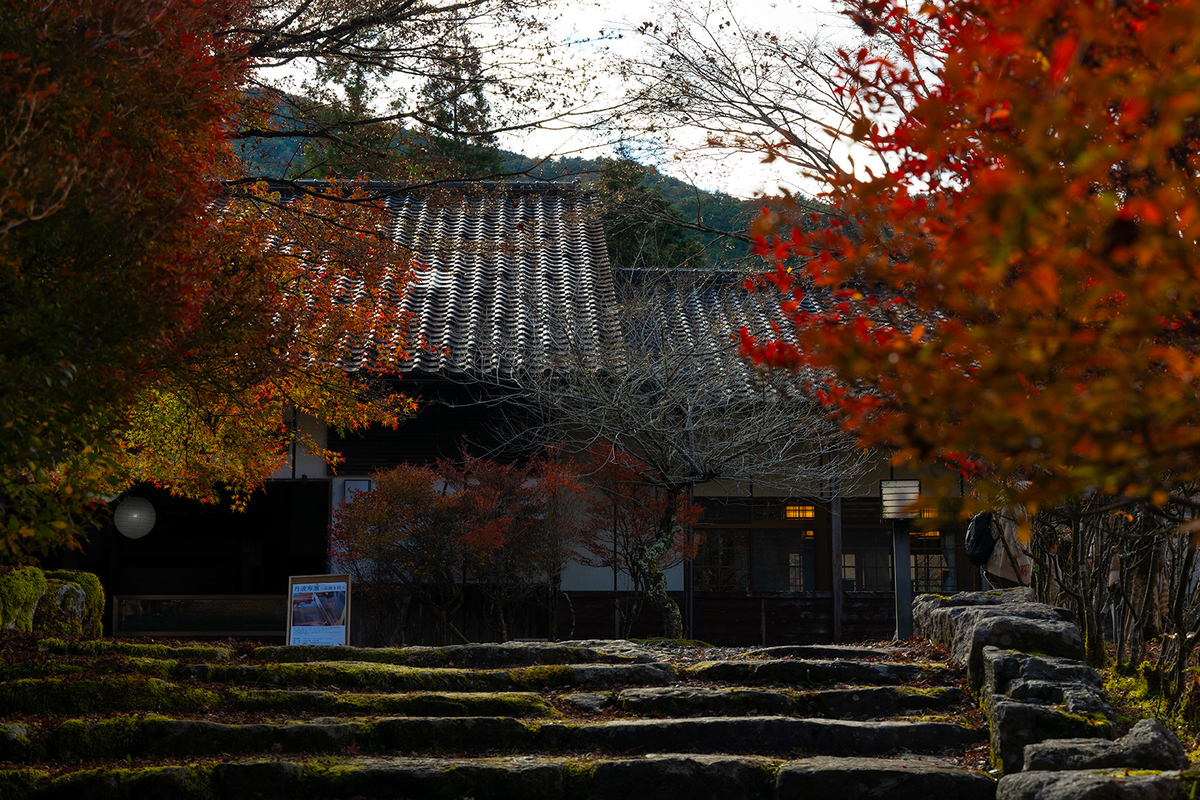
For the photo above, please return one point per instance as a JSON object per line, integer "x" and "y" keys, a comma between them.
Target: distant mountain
{"x": 716, "y": 210}
{"x": 276, "y": 158}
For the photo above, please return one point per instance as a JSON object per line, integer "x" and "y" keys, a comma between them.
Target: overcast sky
{"x": 584, "y": 22}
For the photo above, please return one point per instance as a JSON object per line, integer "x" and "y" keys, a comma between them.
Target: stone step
{"x": 654, "y": 777}
{"x": 124, "y": 737}
{"x": 822, "y": 651}
{"x": 910, "y": 778}
{"x": 119, "y": 665}
{"x": 864, "y": 702}
{"x": 395, "y": 678}
{"x": 815, "y": 672}
{"x": 1098, "y": 784}
{"x": 409, "y": 704}
{"x": 103, "y": 648}
{"x": 103, "y": 694}
{"x": 485, "y": 655}
{"x": 465, "y": 693}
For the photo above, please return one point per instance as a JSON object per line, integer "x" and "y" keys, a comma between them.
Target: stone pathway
{"x": 519, "y": 720}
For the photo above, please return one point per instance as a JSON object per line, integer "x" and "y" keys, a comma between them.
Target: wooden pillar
{"x": 762, "y": 619}
{"x": 902, "y": 569}
{"x": 835, "y": 557}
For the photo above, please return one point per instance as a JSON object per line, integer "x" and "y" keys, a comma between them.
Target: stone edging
{"x": 1051, "y": 728}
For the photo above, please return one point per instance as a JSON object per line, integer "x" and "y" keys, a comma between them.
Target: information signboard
{"x": 318, "y": 609}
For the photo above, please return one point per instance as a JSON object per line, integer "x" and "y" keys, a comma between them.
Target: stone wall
{"x": 1051, "y": 728}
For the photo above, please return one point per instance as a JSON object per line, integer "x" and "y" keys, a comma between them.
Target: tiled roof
{"x": 497, "y": 259}
{"x": 699, "y": 312}
{"x": 513, "y": 275}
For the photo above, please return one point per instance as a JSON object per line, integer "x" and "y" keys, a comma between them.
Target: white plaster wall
{"x": 307, "y": 465}
{"x": 582, "y": 578}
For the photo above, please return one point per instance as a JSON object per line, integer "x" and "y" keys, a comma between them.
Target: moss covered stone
{"x": 112, "y": 647}
{"x": 399, "y": 656}
{"x": 415, "y": 704}
{"x": 101, "y": 695}
{"x": 146, "y": 667}
{"x": 16, "y": 741}
{"x": 60, "y": 611}
{"x": 482, "y": 655}
{"x": 20, "y": 784}
{"x": 93, "y": 604}
{"x": 176, "y": 783}
{"x": 385, "y": 677}
{"x": 577, "y": 778}
{"x": 20, "y": 590}
{"x": 80, "y": 739}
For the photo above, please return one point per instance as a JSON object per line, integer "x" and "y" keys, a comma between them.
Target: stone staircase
{"x": 589, "y": 719}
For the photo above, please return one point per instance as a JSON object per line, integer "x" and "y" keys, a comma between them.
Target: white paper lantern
{"x": 134, "y": 517}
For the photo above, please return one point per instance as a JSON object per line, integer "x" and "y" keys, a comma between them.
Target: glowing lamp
{"x": 134, "y": 517}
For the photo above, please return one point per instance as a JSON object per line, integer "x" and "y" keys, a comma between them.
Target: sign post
{"x": 318, "y": 609}
{"x": 898, "y": 498}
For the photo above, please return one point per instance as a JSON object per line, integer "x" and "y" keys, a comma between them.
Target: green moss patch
{"x": 79, "y": 739}
{"x": 428, "y": 657}
{"x": 60, "y": 610}
{"x": 417, "y": 704}
{"x": 385, "y": 677}
{"x": 112, "y": 647}
{"x": 101, "y": 695}
{"x": 20, "y": 590}
{"x": 478, "y": 656}
{"x": 176, "y": 783}
{"x": 93, "y": 605}
{"x": 19, "y": 784}
{"x": 144, "y": 667}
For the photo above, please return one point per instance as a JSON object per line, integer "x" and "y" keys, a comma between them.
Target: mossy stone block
{"x": 93, "y": 604}
{"x": 100, "y": 648}
{"x": 20, "y": 784}
{"x": 20, "y": 590}
{"x": 101, "y": 695}
{"x": 60, "y": 612}
{"x": 167, "y": 783}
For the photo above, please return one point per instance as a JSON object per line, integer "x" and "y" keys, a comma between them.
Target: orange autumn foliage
{"x": 426, "y": 531}
{"x": 154, "y": 326}
{"x": 1014, "y": 290}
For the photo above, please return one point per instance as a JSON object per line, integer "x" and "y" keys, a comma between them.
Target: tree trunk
{"x": 656, "y": 579}
{"x": 400, "y": 628}
{"x": 444, "y": 612}
{"x": 668, "y": 609}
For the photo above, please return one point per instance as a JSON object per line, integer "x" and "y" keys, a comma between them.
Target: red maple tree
{"x": 1011, "y": 286}
{"x": 638, "y": 528}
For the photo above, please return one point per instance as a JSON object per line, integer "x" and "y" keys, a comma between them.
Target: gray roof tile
{"x": 496, "y": 260}
{"x": 512, "y": 273}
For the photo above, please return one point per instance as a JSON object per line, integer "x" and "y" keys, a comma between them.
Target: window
{"x": 933, "y": 562}
{"x": 761, "y": 560}
{"x": 770, "y": 510}
{"x": 799, "y": 512}
{"x": 352, "y": 487}
{"x": 867, "y": 571}
{"x": 783, "y": 560}
{"x": 867, "y": 559}
{"x": 848, "y": 572}
{"x": 875, "y": 571}
{"x": 723, "y": 563}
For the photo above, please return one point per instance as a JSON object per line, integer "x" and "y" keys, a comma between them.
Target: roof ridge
{"x": 572, "y": 186}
